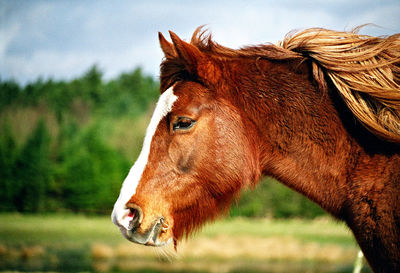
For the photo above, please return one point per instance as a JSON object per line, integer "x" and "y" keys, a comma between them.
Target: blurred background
{"x": 78, "y": 82}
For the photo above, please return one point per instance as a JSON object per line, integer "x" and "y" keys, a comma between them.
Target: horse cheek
{"x": 174, "y": 152}
{"x": 186, "y": 163}
{"x": 182, "y": 156}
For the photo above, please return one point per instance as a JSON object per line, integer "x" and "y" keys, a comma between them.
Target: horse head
{"x": 199, "y": 151}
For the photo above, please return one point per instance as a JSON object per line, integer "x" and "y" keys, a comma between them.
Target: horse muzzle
{"x": 129, "y": 220}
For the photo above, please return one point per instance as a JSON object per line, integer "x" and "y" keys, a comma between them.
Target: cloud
{"x": 7, "y": 35}
{"x": 61, "y": 39}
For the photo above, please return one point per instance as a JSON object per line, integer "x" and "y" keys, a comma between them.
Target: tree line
{"x": 68, "y": 145}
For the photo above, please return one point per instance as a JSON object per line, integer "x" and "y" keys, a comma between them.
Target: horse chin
{"x": 150, "y": 237}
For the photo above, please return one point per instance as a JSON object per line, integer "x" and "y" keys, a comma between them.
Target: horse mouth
{"x": 151, "y": 236}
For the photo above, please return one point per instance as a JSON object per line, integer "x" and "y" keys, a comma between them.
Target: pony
{"x": 319, "y": 111}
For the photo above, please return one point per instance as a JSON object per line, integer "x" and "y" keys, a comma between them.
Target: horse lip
{"x": 148, "y": 238}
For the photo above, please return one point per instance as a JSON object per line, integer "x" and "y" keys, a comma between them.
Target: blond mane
{"x": 364, "y": 69}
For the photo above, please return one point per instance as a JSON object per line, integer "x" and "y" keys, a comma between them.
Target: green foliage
{"x": 9, "y": 93}
{"x": 92, "y": 84}
{"x": 271, "y": 198}
{"x": 91, "y": 172}
{"x": 8, "y": 153}
{"x": 33, "y": 171}
{"x": 75, "y": 167}
{"x": 130, "y": 94}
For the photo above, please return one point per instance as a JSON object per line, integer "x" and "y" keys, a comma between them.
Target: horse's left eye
{"x": 183, "y": 123}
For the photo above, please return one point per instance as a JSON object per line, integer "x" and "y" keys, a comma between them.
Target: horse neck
{"x": 302, "y": 141}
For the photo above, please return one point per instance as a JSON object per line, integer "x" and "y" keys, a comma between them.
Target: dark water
{"x": 80, "y": 260}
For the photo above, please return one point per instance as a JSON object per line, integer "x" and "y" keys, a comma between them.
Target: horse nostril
{"x": 135, "y": 215}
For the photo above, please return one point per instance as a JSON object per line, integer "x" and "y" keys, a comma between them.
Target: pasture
{"x": 79, "y": 243}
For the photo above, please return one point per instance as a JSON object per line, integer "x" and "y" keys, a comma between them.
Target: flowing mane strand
{"x": 364, "y": 69}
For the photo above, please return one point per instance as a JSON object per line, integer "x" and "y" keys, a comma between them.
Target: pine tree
{"x": 8, "y": 152}
{"x": 92, "y": 173}
{"x": 33, "y": 171}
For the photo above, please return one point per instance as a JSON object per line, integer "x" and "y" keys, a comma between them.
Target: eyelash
{"x": 183, "y": 123}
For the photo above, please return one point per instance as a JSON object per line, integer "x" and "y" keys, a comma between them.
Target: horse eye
{"x": 183, "y": 123}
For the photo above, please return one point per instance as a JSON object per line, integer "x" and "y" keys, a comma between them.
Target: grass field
{"x": 78, "y": 243}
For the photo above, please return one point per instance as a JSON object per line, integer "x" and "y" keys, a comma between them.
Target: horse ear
{"x": 167, "y": 47}
{"x": 190, "y": 55}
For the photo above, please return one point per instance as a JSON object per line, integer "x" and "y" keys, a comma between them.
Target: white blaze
{"x": 120, "y": 213}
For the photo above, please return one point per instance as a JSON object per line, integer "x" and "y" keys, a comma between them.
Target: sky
{"x": 61, "y": 39}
